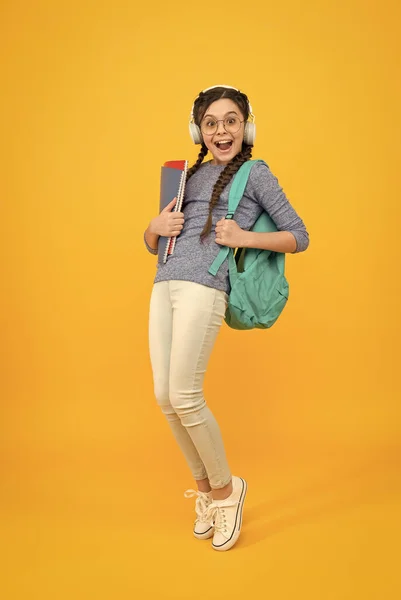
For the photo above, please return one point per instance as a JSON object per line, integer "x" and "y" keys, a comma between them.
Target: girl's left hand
{"x": 229, "y": 233}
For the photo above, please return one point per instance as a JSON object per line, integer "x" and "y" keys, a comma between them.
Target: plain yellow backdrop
{"x": 95, "y": 96}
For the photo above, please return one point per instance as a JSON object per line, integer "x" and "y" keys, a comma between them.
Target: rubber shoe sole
{"x": 206, "y": 535}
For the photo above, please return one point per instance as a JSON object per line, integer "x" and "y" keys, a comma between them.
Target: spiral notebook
{"x": 172, "y": 185}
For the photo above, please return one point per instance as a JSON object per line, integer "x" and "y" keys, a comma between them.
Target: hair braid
{"x": 225, "y": 177}
{"x": 202, "y": 153}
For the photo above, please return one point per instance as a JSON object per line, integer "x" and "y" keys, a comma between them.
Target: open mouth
{"x": 224, "y": 145}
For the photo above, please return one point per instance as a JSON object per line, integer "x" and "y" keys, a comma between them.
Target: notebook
{"x": 172, "y": 185}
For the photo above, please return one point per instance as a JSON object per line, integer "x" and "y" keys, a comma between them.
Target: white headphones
{"x": 249, "y": 130}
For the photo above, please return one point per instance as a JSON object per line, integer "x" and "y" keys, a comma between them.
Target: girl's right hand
{"x": 168, "y": 223}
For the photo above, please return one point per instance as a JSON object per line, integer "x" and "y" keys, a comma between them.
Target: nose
{"x": 220, "y": 127}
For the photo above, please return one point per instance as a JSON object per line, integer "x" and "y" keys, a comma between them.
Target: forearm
{"x": 151, "y": 240}
{"x": 276, "y": 241}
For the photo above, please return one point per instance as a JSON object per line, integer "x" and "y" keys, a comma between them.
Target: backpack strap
{"x": 236, "y": 192}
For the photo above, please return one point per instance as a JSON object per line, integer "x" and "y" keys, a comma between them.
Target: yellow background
{"x": 94, "y": 97}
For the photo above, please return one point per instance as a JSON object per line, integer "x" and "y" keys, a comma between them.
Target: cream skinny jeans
{"x": 184, "y": 321}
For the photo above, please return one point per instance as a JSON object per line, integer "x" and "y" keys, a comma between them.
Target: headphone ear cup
{"x": 249, "y": 133}
{"x": 195, "y": 133}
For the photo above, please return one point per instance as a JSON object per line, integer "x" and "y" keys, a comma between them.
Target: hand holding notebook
{"x": 169, "y": 222}
{"x": 172, "y": 186}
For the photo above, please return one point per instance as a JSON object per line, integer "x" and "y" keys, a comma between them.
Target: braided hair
{"x": 201, "y": 156}
{"x": 204, "y": 100}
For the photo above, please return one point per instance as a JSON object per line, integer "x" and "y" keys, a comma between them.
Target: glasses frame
{"x": 222, "y": 121}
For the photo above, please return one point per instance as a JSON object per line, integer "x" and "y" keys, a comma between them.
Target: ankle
{"x": 203, "y": 486}
{"x": 223, "y": 493}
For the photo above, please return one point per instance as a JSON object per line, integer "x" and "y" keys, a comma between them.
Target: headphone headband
{"x": 228, "y": 87}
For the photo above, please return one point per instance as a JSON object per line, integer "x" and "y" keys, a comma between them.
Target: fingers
{"x": 170, "y": 206}
{"x": 224, "y": 223}
{"x": 175, "y": 221}
{"x": 176, "y": 225}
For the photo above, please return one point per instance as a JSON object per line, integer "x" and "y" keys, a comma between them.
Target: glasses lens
{"x": 209, "y": 126}
{"x": 232, "y": 124}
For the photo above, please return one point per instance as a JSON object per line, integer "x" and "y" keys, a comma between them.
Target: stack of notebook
{"x": 172, "y": 185}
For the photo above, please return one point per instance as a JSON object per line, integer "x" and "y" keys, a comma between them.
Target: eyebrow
{"x": 231, "y": 112}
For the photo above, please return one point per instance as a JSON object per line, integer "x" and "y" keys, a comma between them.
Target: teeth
{"x": 223, "y": 142}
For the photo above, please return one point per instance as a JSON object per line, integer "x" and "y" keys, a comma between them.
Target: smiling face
{"x": 223, "y": 145}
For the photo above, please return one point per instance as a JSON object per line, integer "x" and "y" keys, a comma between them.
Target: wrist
{"x": 247, "y": 239}
{"x": 151, "y": 237}
{"x": 151, "y": 228}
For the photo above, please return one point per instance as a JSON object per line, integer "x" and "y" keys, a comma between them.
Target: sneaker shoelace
{"x": 201, "y": 504}
{"x": 217, "y": 513}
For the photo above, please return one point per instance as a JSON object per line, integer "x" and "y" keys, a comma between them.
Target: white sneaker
{"x": 204, "y": 528}
{"x": 227, "y": 516}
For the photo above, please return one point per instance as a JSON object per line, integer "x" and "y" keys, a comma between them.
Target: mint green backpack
{"x": 259, "y": 289}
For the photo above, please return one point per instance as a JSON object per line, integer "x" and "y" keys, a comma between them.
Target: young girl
{"x": 188, "y": 304}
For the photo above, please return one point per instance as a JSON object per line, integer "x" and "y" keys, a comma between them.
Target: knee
{"x": 186, "y": 402}
{"x": 161, "y": 394}
{"x": 163, "y": 400}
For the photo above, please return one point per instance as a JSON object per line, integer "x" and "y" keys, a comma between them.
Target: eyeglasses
{"x": 231, "y": 125}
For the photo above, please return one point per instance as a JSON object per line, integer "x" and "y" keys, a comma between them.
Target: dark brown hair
{"x": 204, "y": 100}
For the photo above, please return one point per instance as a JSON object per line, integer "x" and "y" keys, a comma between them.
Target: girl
{"x": 188, "y": 304}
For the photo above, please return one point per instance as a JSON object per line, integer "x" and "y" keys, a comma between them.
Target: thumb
{"x": 170, "y": 206}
